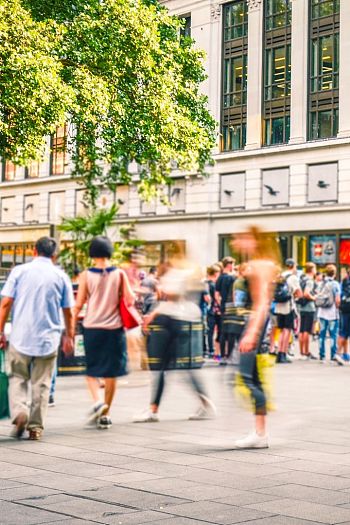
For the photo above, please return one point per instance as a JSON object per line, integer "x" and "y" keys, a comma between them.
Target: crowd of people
{"x": 246, "y": 310}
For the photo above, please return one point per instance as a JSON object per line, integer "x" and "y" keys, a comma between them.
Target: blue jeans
{"x": 331, "y": 327}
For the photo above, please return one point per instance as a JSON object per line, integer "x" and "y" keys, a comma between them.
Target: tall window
{"x": 9, "y": 171}
{"x": 185, "y": 30}
{"x": 32, "y": 171}
{"x": 234, "y": 86}
{"x": 324, "y": 69}
{"x": 59, "y": 151}
{"x": 277, "y": 72}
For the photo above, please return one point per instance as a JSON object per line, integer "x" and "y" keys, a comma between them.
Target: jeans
{"x": 213, "y": 320}
{"x": 331, "y": 327}
{"x": 249, "y": 373}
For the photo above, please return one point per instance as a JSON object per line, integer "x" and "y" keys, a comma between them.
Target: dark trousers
{"x": 173, "y": 336}
{"x": 227, "y": 340}
{"x": 249, "y": 373}
{"x": 213, "y": 321}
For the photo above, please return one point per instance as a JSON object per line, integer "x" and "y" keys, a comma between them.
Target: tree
{"x": 82, "y": 229}
{"x": 131, "y": 89}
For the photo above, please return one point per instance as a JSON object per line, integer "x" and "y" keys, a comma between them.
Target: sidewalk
{"x": 180, "y": 472}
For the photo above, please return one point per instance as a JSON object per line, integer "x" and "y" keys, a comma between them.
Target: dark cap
{"x": 101, "y": 247}
{"x": 290, "y": 262}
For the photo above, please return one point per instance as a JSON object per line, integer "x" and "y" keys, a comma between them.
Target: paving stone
{"x": 129, "y": 478}
{"x": 215, "y": 512}
{"x": 25, "y": 492}
{"x": 283, "y": 520}
{"x": 171, "y": 457}
{"x": 239, "y": 467}
{"x": 244, "y": 497}
{"x": 312, "y": 494}
{"x": 304, "y": 510}
{"x": 316, "y": 467}
{"x": 9, "y": 484}
{"x": 226, "y": 479}
{"x": 87, "y": 509}
{"x": 184, "y": 521}
{"x": 312, "y": 480}
{"x": 135, "y": 518}
{"x": 15, "y": 514}
{"x": 62, "y": 482}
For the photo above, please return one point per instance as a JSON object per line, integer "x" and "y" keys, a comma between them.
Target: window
{"x": 232, "y": 194}
{"x": 275, "y": 190}
{"x": 32, "y": 171}
{"x": 277, "y": 72}
{"x": 31, "y": 208}
{"x": 324, "y": 69}
{"x": 177, "y": 195}
{"x": 8, "y": 210}
{"x": 59, "y": 151}
{"x": 234, "y": 82}
{"x": 323, "y": 183}
{"x": 185, "y": 30}
{"x": 56, "y": 206}
{"x": 278, "y": 14}
{"x": 323, "y": 8}
{"x": 9, "y": 171}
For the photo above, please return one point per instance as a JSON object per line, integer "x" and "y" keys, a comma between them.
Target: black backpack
{"x": 302, "y": 301}
{"x": 345, "y": 296}
{"x": 282, "y": 291}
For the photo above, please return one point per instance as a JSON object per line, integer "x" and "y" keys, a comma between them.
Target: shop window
{"x": 8, "y": 210}
{"x": 28, "y": 252}
{"x": 232, "y": 194}
{"x": 8, "y": 255}
{"x": 177, "y": 195}
{"x": 323, "y": 183}
{"x": 275, "y": 189}
{"x": 300, "y": 250}
{"x": 323, "y": 249}
{"x": 56, "y": 206}
{"x": 31, "y": 208}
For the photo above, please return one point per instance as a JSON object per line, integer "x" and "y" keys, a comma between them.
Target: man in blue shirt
{"x": 36, "y": 292}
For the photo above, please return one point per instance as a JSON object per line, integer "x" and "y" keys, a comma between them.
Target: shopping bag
{"x": 4, "y": 383}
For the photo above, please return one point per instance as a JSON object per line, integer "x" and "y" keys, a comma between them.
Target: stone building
{"x": 278, "y": 85}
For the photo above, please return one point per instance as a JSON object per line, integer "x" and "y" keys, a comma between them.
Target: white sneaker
{"x": 203, "y": 413}
{"x": 147, "y": 416}
{"x": 253, "y": 440}
{"x": 339, "y": 360}
{"x": 95, "y": 412}
{"x": 303, "y": 358}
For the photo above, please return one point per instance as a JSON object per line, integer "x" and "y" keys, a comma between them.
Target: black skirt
{"x": 105, "y": 352}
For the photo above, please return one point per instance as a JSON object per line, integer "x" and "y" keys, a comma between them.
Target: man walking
{"x": 36, "y": 292}
{"x": 223, "y": 295}
{"x": 307, "y": 309}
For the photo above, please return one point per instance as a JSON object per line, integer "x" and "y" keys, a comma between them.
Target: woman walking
{"x": 255, "y": 298}
{"x": 101, "y": 288}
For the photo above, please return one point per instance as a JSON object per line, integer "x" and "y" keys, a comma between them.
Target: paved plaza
{"x": 180, "y": 472}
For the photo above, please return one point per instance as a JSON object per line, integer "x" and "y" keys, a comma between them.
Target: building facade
{"x": 278, "y": 85}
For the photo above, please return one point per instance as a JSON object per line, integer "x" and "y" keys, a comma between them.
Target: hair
{"x": 101, "y": 248}
{"x": 309, "y": 267}
{"x": 212, "y": 270}
{"x": 266, "y": 244}
{"x": 227, "y": 260}
{"x": 331, "y": 270}
{"x": 152, "y": 270}
{"x": 46, "y": 247}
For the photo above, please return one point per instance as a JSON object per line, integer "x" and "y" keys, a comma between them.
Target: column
{"x": 215, "y": 64}
{"x": 255, "y": 74}
{"x": 344, "y": 70}
{"x": 299, "y": 77}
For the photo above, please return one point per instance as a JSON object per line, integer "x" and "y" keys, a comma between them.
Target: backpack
{"x": 325, "y": 297}
{"x": 345, "y": 297}
{"x": 282, "y": 291}
{"x": 302, "y": 301}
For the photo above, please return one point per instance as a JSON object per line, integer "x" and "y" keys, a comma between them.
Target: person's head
{"x": 243, "y": 269}
{"x": 227, "y": 264}
{"x": 256, "y": 244}
{"x": 213, "y": 272}
{"x": 319, "y": 276}
{"x": 290, "y": 265}
{"x": 331, "y": 270}
{"x": 310, "y": 268}
{"x": 101, "y": 248}
{"x": 153, "y": 271}
{"x": 46, "y": 247}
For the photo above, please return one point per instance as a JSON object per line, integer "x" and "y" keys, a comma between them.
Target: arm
{"x": 69, "y": 322}
{"x": 5, "y": 308}
{"x": 81, "y": 297}
{"x": 127, "y": 293}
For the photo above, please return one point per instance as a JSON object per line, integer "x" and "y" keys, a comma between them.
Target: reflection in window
{"x": 278, "y": 14}
{"x": 9, "y": 171}
{"x": 277, "y": 72}
{"x": 277, "y": 130}
{"x": 325, "y": 63}
{"x": 324, "y": 124}
{"x": 33, "y": 170}
{"x": 234, "y": 137}
{"x": 59, "y": 151}
{"x": 235, "y": 81}
{"x": 235, "y": 20}
{"x": 322, "y": 8}
{"x": 185, "y": 30}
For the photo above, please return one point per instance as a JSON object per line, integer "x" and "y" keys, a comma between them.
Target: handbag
{"x": 129, "y": 314}
{"x": 4, "y": 383}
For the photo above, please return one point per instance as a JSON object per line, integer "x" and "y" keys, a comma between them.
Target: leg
{"x": 249, "y": 373}
{"x": 323, "y": 333}
{"x": 301, "y": 343}
{"x": 222, "y": 344}
{"x": 167, "y": 351}
{"x": 306, "y": 343}
{"x": 53, "y": 383}
{"x": 110, "y": 388}
{"x": 333, "y": 332}
{"x": 93, "y": 385}
{"x": 211, "y": 327}
{"x": 41, "y": 374}
{"x": 19, "y": 378}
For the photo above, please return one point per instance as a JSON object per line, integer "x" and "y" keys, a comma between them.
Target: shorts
{"x": 306, "y": 322}
{"x": 285, "y": 321}
{"x": 344, "y": 326}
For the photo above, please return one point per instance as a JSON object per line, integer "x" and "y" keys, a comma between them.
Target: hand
{"x": 3, "y": 341}
{"x": 67, "y": 345}
{"x": 248, "y": 343}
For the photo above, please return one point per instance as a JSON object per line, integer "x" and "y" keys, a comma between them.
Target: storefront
{"x": 322, "y": 248}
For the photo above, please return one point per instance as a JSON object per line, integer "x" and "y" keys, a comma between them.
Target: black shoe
{"x": 104, "y": 422}
{"x": 282, "y": 358}
{"x": 51, "y": 401}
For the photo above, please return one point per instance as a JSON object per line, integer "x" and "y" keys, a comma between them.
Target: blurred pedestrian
{"x": 307, "y": 309}
{"x": 214, "y": 313}
{"x": 36, "y": 292}
{"x": 255, "y": 301}
{"x": 224, "y": 290}
{"x": 101, "y": 288}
